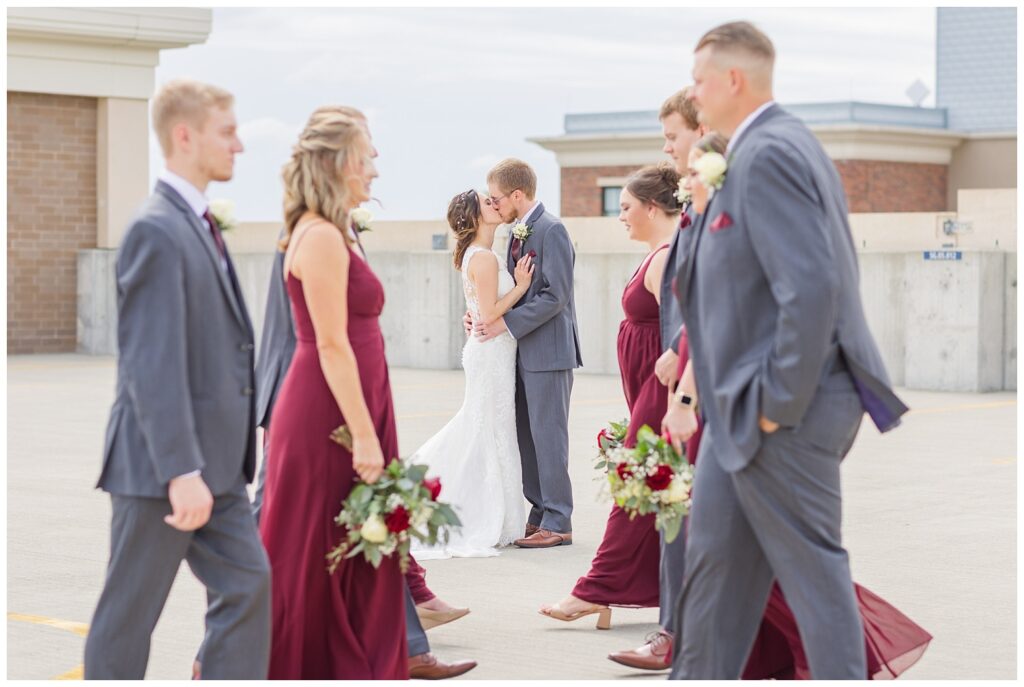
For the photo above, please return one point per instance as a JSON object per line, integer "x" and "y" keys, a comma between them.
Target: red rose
{"x": 623, "y": 471}
{"x": 397, "y": 520}
{"x": 661, "y": 478}
{"x": 433, "y": 485}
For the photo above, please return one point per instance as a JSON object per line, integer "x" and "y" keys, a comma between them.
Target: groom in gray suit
{"x": 180, "y": 441}
{"x": 544, "y": 324}
{"x": 785, "y": 367}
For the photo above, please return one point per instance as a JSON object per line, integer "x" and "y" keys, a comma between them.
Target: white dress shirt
{"x": 195, "y": 198}
{"x": 745, "y": 124}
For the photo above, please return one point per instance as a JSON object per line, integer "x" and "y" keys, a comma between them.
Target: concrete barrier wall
{"x": 941, "y": 325}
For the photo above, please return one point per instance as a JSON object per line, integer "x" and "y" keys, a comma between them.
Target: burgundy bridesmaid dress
{"x": 349, "y": 625}
{"x": 624, "y": 571}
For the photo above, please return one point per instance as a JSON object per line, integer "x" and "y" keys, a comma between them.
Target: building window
{"x": 610, "y": 201}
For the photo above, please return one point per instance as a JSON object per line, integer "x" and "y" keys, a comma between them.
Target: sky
{"x": 449, "y": 92}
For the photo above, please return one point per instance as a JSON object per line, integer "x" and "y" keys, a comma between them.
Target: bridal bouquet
{"x": 382, "y": 519}
{"x": 651, "y": 478}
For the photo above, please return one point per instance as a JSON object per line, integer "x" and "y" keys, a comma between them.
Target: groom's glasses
{"x": 497, "y": 199}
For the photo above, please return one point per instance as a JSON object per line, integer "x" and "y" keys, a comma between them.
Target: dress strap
{"x": 298, "y": 239}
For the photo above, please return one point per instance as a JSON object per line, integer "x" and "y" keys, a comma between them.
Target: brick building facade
{"x": 78, "y": 84}
{"x": 51, "y": 215}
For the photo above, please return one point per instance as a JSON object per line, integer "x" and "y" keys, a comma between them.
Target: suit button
{"x": 246, "y": 347}
{"x": 247, "y": 391}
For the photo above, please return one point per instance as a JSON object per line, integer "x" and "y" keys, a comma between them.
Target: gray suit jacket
{"x": 771, "y": 298}
{"x": 670, "y": 317}
{"x": 185, "y": 378}
{"x": 277, "y": 344}
{"x": 544, "y": 320}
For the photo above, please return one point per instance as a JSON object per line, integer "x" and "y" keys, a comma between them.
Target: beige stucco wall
{"x": 991, "y": 213}
{"x": 983, "y": 162}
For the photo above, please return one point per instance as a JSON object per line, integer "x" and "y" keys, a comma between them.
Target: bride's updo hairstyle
{"x": 315, "y": 178}
{"x": 464, "y": 219}
{"x": 656, "y": 185}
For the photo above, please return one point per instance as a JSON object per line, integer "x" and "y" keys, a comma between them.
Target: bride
{"x": 476, "y": 454}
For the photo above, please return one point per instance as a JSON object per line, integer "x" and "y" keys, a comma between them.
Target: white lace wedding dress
{"x": 476, "y": 454}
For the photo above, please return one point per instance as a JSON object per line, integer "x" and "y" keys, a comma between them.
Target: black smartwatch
{"x": 684, "y": 399}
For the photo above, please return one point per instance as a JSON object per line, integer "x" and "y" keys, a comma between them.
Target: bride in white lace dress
{"x": 476, "y": 454}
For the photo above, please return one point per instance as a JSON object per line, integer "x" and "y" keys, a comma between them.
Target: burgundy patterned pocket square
{"x": 723, "y": 221}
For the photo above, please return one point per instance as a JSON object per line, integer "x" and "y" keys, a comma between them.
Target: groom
{"x": 544, "y": 324}
{"x": 786, "y": 366}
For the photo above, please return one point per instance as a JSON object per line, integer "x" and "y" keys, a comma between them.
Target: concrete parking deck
{"x": 930, "y": 522}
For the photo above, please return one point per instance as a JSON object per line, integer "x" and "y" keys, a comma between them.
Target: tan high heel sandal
{"x": 431, "y": 619}
{"x": 604, "y": 615}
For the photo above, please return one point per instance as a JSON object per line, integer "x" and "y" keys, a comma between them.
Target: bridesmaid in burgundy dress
{"x": 349, "y": 625}
{"x": 893, "y": 641}
{"x": 624, "y": 571}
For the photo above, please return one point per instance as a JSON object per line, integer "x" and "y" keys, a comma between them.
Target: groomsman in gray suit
{"x": 180, "y": 444}
{"x": 786, "y": 367}
{"x": 544, "y": 324}
{"x": 681, "y": 129}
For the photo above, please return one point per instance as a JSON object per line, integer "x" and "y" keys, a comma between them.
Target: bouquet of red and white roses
{"x": 382, "y": 519}
{"x": 651, "y": 478}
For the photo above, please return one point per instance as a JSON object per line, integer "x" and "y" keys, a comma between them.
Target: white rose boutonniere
{"x": 711, "y": 168}
{"x": 362, "y": 219}
{"x": 521, "y": 231}
{"x": 223, "y": 211}
{"x": 683, "y": 194}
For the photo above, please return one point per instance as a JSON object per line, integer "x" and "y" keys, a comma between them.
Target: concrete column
{"x": 954, "y": 322}
{"x": 122, "y": 165}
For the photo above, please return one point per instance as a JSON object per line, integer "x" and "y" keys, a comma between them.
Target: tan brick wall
{"x": 51, "y": 215}
{"x": 581, "y": 196}
{"x": 877, "y": 186}
{"x": 871, "y": 186}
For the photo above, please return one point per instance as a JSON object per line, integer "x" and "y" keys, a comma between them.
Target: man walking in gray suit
{"x": 681, "y": 130}
{"x": 785, "y": 367}
{"x": 543, "y": 322}
{"x": 180, "y": 443}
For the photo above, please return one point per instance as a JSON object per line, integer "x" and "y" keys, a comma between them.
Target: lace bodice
{"x": 505, "y": 281}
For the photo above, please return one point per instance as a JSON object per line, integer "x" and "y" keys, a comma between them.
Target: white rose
{"x": 521, "y": 231}
{"x": 710, "y": 169}
{"x": 374, "y": 530}
{"x": 223, "y": 210}
{"x": 362, "y": 218}
{"x": 683, "y": 192}
{"x": 677, "y": 490}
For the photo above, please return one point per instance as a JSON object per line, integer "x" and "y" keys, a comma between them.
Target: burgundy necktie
{"x": 218, "y": 240}
{"x": 517, "y": 249}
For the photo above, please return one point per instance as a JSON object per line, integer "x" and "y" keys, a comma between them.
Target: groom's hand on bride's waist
{"x": 485, "y": 331}
{"x": 467, "y": 323}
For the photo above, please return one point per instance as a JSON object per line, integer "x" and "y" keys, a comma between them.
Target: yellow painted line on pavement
{"x": 80, "y": 629}
{"x": 963, "y": 406}
{"x": 76, "y": 673}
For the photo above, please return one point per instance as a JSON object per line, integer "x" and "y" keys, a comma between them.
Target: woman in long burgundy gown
{"x": 893, "y": 641}
{"x": 349, "y": 625}
{"x": 624, "y": 571}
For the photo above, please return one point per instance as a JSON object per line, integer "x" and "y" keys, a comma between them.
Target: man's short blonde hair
{"x": 511, "y": 174}
{"x": 742, "y": 45}
{"x": 681, "y": 103}
{"x": 184, "y": 100}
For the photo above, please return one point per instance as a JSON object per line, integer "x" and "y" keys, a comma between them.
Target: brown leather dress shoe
{"x": 656, "y": 654}
{"x": 427, "y": 667}
{"x": 543, "y": 539}
{"x": 531, "y": 529}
